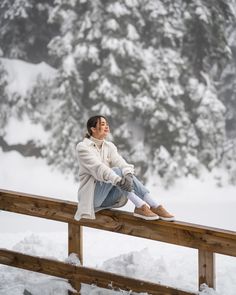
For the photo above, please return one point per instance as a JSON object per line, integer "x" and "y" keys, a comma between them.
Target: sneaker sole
{"x": 146, "y": 217}
{"x": 167, "y": 219}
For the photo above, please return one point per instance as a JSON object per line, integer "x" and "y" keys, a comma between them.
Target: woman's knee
{"x": 117, "y": 170}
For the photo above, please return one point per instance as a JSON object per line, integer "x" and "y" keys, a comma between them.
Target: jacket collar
{"x": 90, "y": 142}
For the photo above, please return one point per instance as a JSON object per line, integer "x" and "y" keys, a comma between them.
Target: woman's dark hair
{"x": 92, "y": 122}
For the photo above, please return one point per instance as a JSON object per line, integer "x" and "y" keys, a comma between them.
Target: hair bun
{"x": 87, "y": 135}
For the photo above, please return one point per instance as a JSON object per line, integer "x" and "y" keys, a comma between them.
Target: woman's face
{"x": 101, "y": 130}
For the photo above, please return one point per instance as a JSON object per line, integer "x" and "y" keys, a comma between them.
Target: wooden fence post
{"x": 75, "y": 245}
{"x": 206, "y": 268}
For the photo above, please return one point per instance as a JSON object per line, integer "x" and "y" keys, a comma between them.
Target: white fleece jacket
{"x": 95, "y": 164}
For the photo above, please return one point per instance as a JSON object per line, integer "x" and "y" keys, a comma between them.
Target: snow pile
{"x": 21, "y": 282}
{"x": 15, "y": 281}
{"x": 73, "y": 259}
{"x": 22, "y": 76}
{"x": 205, "y": 290}
{"x": 143, "y": 265}
{"x": 35, "y": 245}
{"x": 158, "y": 262}
{"x": 32, "y": 131}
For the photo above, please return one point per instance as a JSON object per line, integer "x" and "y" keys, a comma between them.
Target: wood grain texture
{"x": 84, "y": 274}
{"x": 206, "y": 268}
{"x": 75, "y": 240}
{"x": 75, "y": 245}
{"x": 178, "y": 233}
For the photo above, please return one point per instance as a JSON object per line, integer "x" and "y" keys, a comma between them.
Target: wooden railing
{"x": 207, "y": 240}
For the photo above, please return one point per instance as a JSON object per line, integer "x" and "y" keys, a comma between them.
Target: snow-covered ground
{"x": 191, "y": 200}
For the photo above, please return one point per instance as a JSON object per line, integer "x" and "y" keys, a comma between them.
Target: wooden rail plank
{"x": 178, "y": 233}
{"x": 206, "y": 268}
{"x": 84, "y": 274}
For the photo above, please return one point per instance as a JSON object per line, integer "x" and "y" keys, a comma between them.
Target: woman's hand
{"x": 126, "y": 183}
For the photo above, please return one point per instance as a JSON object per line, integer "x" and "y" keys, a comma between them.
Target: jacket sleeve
{"x": 94, "y": 166}
{"x": 118, "y": 161}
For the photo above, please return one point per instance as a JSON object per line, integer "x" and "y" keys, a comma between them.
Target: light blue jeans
{"x": 106, "y": 194}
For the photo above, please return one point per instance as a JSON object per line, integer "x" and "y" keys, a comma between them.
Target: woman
{"x": 107, "y": 180}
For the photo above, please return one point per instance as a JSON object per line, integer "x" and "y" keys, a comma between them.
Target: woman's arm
{"x": 94, "y": 166}
{"x": 118, "y": 161}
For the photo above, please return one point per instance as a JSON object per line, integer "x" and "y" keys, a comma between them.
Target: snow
{"x": 69, "y": 65}
{"x": 22, "y": 76}
{"x": 112, "y": 24}
{"x": 198, "y": 201}
{"x": 73, "y": 259}
{"x": 114, "y": 69}
{"x": 118, "y": 9}
{"x": 82, "y": 51}
{"x": 31, "y": 131}
{"x": 132, "y": 3}
{"x": 132, "y": 33}
{"x": 203, "y": 13}
{"x": 18, "y": 8}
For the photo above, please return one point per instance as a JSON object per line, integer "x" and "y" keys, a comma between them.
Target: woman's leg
{"x": 142, "y": 192}
{"x": 112, "y": 198}
{"x": 105, "y": 194}
{"x": 139, "y": 189}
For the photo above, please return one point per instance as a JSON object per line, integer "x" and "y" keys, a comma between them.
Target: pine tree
{"x": 25, "y": 30}
{"x": 227, "y": 84}
{"x": 150, "y": 67}
{"x": 227, "y": 94}
{"x": 5, "y": 107}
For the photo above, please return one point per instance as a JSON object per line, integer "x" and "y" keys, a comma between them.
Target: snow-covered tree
{"x": 4, "y": 103}
{"x": 24, "y": 29}
{"x": 227, "y": 84}
{"x": 149, "y": 66}
{"x": 206, "y": 45}
{"x": 227, "y": 94}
